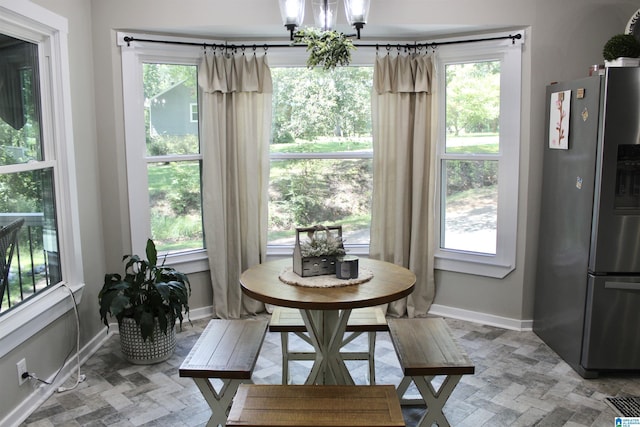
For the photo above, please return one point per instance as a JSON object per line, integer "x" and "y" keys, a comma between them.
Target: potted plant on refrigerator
{"x": 621, "y": 49}
{"x": 146, "y": 303}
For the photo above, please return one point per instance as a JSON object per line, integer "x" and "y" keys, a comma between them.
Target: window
{"x": 163, "y": 151}
{"x": 321, "y": 153}
{"x": 172, "y": 156}
{"x": 321, "y": 150}
{"x": 37, "y": 184}
{"x": 26, "y": 178}
{"x": 193, "y": 111}
{"x": 478, "y": 151}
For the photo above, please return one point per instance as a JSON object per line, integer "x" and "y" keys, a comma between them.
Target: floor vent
{"x": 625, "y": 406}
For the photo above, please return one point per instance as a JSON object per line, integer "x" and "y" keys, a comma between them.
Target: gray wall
{"x": 563, "y": 39}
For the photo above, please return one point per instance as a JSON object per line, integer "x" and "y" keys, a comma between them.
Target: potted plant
{"x": 621, "y": 46}
{"x": 146, "y": 302}
{"x": 326, "y": 48}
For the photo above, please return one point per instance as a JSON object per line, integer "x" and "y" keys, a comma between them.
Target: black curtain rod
{"x": 388, "y": 46}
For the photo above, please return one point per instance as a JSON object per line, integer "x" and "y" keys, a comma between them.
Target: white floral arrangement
{"x": 322, "y": 245}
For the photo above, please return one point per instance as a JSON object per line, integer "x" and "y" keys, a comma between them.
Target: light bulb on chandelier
{"x": 325, "y": 14}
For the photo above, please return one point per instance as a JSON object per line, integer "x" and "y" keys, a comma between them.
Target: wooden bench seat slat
{"x": 284, "y": 319}
{"x": 310, "y": 405}
{"x": 427, "y": 348}
{"x": 226, "y": 349}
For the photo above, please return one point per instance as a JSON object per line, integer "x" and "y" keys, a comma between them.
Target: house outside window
{"x": 164, "y": 162}
{"x": 172, "y": 157}
{"x": 478, "y": 155}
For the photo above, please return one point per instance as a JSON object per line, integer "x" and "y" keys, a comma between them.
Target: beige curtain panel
{"x": 402, "y": 218}
{"x": 235, "y": 127}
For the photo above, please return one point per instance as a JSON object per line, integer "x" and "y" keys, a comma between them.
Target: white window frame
{"x": 134, "y": 55}
{"x": 35, "y": 24}
{"x": 509, "y": 54}
{"x": 508, "y": 51}
{"x": 193, "y": 112}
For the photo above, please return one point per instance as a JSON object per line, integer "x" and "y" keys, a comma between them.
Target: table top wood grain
{"x": 390, "y": 282}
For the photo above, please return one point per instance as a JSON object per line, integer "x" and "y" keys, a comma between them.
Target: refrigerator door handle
{"x": 626, "y": 286}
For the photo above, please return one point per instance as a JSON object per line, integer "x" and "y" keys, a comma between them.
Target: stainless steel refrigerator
{"x": 587, "y": 290}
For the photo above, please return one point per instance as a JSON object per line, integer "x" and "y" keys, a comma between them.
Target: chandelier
{"x": 324, "y": 13}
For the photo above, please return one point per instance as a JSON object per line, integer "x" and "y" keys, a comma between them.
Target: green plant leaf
{"x": 118, "y": 304}
{"x": 146, "y": 325}
{"x": 326, "y": 48}
{"x": 152, "y": 253}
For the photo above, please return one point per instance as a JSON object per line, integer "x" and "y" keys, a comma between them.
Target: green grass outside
{"x": 320, "y": 146}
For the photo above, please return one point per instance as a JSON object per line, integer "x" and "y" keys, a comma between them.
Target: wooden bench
{"x": 263, "y": 405}
{"x": 289, "y": 320}
{"x": 426, "y": 349}
{"x": 226, "y": 350}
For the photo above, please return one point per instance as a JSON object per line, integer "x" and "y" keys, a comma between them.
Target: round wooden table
{"x": 325, "y": 311}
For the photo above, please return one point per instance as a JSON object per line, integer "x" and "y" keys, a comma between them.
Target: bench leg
{"x": 284, "y": 340}
{"x": 219, "y": 402}
{"x": 372, "y": 362}
{"x": 434, "y": 399}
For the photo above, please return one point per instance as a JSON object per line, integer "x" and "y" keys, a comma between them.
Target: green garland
{"x": 327, "y": 49}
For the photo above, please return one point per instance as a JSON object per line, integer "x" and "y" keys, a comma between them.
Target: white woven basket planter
{"x": 141, "y": 352}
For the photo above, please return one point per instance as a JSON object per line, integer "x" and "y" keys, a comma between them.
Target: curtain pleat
{"x": 402, "y": 217}
{"x": 235, "y": 127}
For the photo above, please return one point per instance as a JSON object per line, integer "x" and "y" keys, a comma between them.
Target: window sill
{"x": 22, "y": 323}
{"x": 188, "y": 262}
{"x": 477, "y": 267}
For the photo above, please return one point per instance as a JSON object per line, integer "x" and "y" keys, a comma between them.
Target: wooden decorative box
{"x": 317, "y": 265}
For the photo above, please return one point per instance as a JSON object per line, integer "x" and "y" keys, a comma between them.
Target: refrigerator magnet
{"x": 559, "y": 120}
{"x": 585, "y": 114}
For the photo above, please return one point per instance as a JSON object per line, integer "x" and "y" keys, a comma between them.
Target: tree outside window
{"x": 470, "y": 165}
{"x": 321, "y": 152}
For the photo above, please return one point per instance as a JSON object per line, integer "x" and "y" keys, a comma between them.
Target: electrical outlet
{"x": 22, "y": 368}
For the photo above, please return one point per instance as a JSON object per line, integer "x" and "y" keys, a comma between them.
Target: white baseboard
{"x": 482, "y": 318}
{"x": 201, "y": 313}
{"x": 43, "y": 391}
